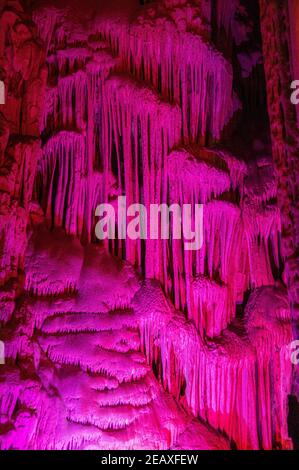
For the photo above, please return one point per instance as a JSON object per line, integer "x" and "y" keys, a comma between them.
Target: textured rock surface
{"x": 23, "y": 70}
{"x": 81, "y": 380}
{"x": 134, "y": 344}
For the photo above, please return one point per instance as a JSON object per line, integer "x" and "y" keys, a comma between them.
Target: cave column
{"x": 275, "y": 31}
{"x": 23, "y": 71}
{"x": 294, "y": 39}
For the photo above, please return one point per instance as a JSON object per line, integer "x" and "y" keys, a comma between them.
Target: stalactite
{"x": 213, "y": 307}
{"x": 71, "y": 198}
{"x": 228, "y": 383}
{"x": 70, "y": 191}
{"x": 237, "y": 169}
{"x": 46, "y": 21}
{"x": 70, "y": 89}
{"x": 197, "y": 177}
{"x": 262, "y": 228}
{"x": 261, "y": 182}
{"x": 64, "y": 155}
{"x": 170, "y": 59}
{"x": 146, "y": 128}
{"x": 223, "y": 237}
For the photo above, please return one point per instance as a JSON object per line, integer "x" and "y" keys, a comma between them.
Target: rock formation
{"x": 140, "y": 343}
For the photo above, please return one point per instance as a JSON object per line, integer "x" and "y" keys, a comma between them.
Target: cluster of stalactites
{"x": 136, "y": 129}
{"x": 143, "y": 129}
{"x": 70, "y": 183}
{"x": 157, "y": 51}
{"x": 69, "y": 193}
{"x": 24, "y": 74}
{"x": 240, "y": 246}
{"x": 235, "y": 384}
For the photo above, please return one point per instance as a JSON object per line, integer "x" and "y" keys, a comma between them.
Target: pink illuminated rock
{"x": 92, "y": 385}
{"x": 142, "y": 344}
{"x": 22, "y": 65}
{"x": 53, "y": 264}
{"x": 160, "y": 43}
{"x": 220, "y": 377}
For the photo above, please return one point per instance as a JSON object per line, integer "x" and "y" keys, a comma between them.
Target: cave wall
{"x": 24, "y": 73}
{"x": 146, "y": 102}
